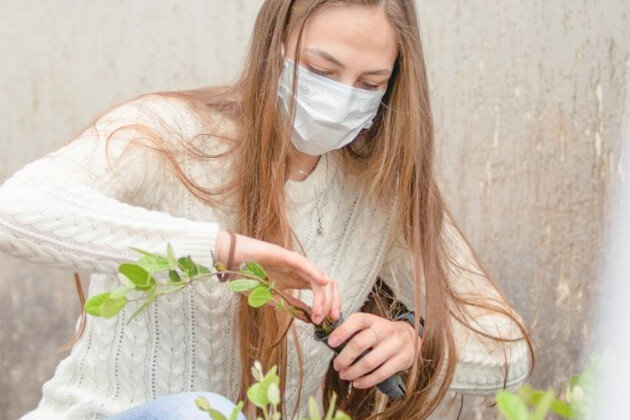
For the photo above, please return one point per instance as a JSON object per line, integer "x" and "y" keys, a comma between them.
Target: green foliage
{"x": 265, "y": 395}
{"x": 241, "y": 285}
{"x": 259, "y": 296}
{"x": 331, "y": 414}
{"x": 255, "y": 270}
{"x": 578, "y": 405}
{"x": 104, "y": 305}
{"x": 204, "y": 405}
{"x": 135, "y": 277}
{"x": 143, "y": 277}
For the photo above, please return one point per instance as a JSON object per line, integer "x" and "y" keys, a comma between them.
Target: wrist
{"x": 220, "y": 251}
{"x": 408, "y": 327}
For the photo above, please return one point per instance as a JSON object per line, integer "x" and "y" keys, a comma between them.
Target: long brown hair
{"x": 395, "y": 155}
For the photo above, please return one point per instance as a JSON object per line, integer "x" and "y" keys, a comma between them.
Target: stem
{"x": 296, "y": 308}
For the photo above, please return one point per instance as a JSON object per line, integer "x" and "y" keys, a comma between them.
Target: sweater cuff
{"x": 197, "y": 239}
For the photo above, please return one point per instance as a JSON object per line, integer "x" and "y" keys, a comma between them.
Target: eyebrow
{"x": 338, "y": 63}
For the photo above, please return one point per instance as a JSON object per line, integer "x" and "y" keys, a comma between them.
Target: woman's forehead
{"x": 360, "y": 36}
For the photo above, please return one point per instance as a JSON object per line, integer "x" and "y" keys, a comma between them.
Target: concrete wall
{"x": 528, "y": 99}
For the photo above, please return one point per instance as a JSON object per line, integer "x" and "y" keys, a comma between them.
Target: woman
{"x": 329, "y": 189}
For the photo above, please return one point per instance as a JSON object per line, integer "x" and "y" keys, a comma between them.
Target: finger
{"x": 298, "y": 263}
{"x": 318, "y": 298}
{"x": 355, "y": 322}
{"x": 328, "y": 290}
{"x": 375, "y": 357}
{"x": 359, "y": 343}
{"x": 306, "y": 268}
{"x": 384, "y": 372}
{"x": 336, "y": 311}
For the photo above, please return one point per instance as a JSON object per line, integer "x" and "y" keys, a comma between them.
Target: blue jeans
{"x": 180, "y": 406}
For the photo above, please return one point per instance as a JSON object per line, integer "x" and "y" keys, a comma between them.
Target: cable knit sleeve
{"x": 71, "y": 209}
{"x": 480, "y": 366}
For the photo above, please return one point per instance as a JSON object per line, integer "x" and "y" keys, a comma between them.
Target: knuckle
{"x": 368, "y": 363}
{"x": 354, "y": 317}
{"x": 380, "y": 376}
{"x": 356, "y": 345}
{"x": 402, "y": 334}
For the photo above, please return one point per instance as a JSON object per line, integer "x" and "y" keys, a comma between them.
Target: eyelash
{"x": 325, "y": 73}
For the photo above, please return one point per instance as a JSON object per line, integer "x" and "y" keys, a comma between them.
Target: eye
{"x": 370, "y": 86}
{"x": 320, "y": 72}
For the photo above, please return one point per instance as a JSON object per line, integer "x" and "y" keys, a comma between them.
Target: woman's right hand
{"x": 288, "y": 269}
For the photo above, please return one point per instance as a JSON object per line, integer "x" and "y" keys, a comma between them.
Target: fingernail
{"x": 332, "y": 341}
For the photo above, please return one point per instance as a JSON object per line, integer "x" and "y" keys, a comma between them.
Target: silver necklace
{"x": 320, "y": 228}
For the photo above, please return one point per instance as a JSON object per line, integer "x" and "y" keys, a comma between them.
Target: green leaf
{"x": 259, "y": 296}
{"x": 172, "y": 259}
{"x": 281, "y": 305}
{"x": 331, "y": 407}
{"x": 93, "y": 304}
{"x": 257, "y": 396}
{"x": 216, "y": 415}
{"x": 271, "y": 374}
{"x": 105, "y": 305}
{"x": 112, "y": 306}
{"x": 237, "y": 410}
{"x": 256, "y": 269}
{"x": 139, "y": 277}
{"x": 143, "y": 252}
{"x": 153, "y": 264}
{"x": 203, "y": 269}
{"x": 125, "y": 281}
{"x": 341, "y": 415}
{"x": 120, "y": 291}
{"x": 187, "y": 265}
{"x": 174, "y": 276}
{"x": 240, "y": 285}
{"x": 533, "y": 397}
{"x": 147, "y": 302}
{"x": 540, "y": 413}
{"x": 202, "y": 403}
{"x": 511, "y": 406}
{"x": 256, "y": 374}
{"x": 313, "y": 411}
{"x": 273, "y": 394}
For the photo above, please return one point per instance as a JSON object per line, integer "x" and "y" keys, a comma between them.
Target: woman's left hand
{"x": 392, "y": 342}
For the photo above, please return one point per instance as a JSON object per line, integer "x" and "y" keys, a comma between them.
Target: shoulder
{"x": 168, "y": 111}
{"x": 190, "y": 115}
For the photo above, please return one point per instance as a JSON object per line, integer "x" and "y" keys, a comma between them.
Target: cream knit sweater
{"x": 69, "y": 210}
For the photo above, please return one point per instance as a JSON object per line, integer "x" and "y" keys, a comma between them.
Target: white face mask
{"x": 328, "y": 114}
